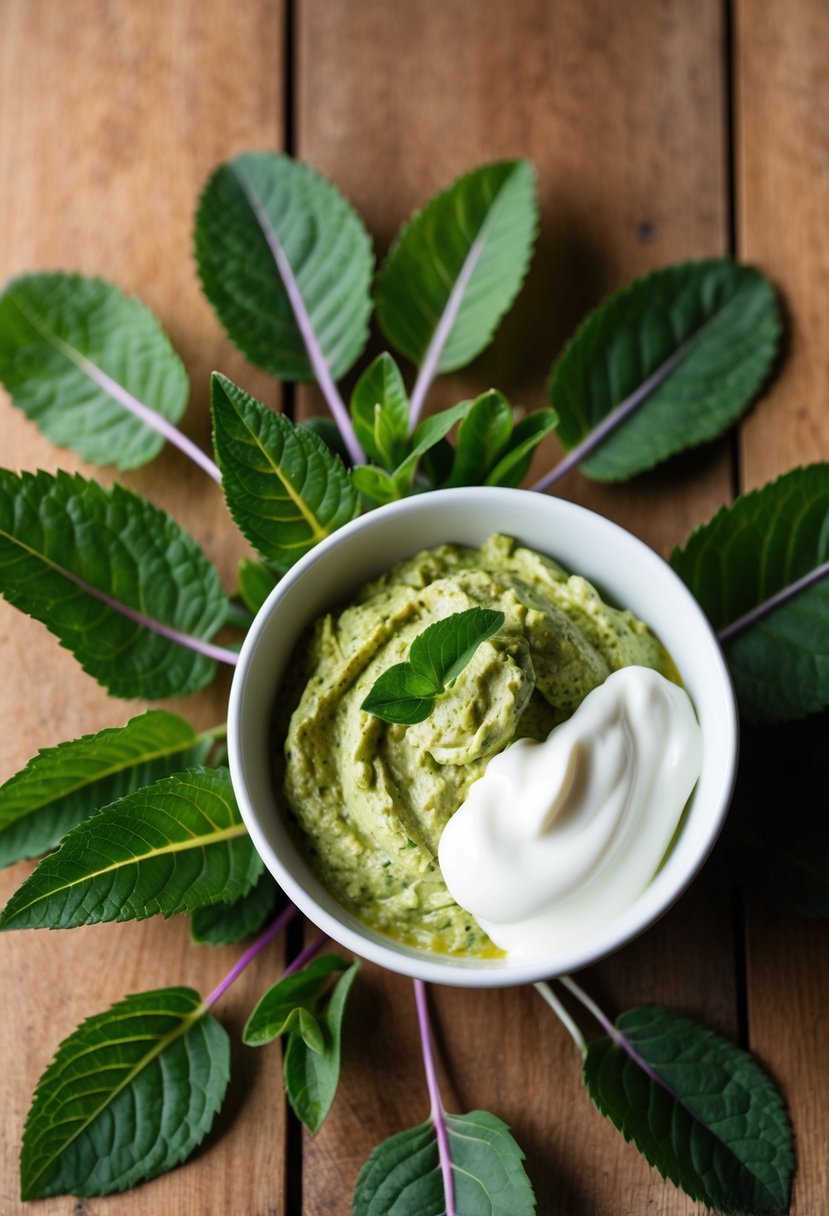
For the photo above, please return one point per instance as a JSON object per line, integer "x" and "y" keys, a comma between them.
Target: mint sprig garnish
{"x": 407, "y": 692}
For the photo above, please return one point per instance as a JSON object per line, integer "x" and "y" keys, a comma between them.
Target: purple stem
{"x": 273, "y": 930}
{"x": 429, "y": 366}
{"x": 437, "y": 1112}
{"x": 305, "y": 955}
{"x": 220, "y": 653}
{"x": 774, "y": 601}
{"x": 305, "y": 325}
{"x": 615, "y": 418}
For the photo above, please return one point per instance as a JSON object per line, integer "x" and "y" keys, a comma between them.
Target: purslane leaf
{"x": 61, "y": 786}
{"x": 704, "y": 334}
{"x": 380, "y": 413}
{"x": 172, "y": 847}
{"x": 129, "y": 1095}
{"x": 456, "y": 268}
{"x": 114, "y": 578}
{"x": 293, "y": 1007}
{"x": 76, "y": 355}
{"x": 223, "y": 923}
{"x": 697, "y": 1107}
{"x": 758, "y": 547}
{"x": 269, "y": 228}
{"x": 402, "y": 1175}
{"x": 311, "y": 1077}
{"x": 285, "y": 489}
{"x": 406, "y": 691}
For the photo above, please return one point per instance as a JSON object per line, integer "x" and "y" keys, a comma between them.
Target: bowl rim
{"x": 366, "y": 942}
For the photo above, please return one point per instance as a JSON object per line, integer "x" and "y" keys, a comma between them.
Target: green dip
{"x": 370, "y": 799}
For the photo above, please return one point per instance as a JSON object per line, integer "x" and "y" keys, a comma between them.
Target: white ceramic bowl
{"x": 624, "y": 570}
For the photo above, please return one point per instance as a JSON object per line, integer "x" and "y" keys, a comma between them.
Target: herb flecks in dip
{"x": 371, "y": 799}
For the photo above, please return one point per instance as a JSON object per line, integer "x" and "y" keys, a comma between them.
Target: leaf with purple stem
{"x": 697, "y": 1107}
{"x": 668, "y": 362}
{"x": 287, "y": 264}
{"x": 456, "y": 268}
{"x": 118, "y": 581}
{"x": 93, "y": 368}
{"x": 759, "y": 569}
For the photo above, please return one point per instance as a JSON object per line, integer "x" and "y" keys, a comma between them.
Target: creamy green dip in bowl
{"x": 628, "y": 575}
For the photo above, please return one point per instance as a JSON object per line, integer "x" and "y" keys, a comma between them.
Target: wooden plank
{"x": 111, "y": 117}
{"x": 622, "y": 111}
{"x": 782, "y": 107}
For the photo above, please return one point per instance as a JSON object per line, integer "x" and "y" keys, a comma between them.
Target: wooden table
{"x": 661, "y": 130}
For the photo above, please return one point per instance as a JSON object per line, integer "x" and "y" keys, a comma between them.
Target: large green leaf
{"x": 402, "y": 1176}
{"x": 106, "y": 571}
{"x": 224, "y": 923}
{"x": 456, "y": 268}
{"x": 702, "y": 335}
{"x": 380, "y": 413}
{"x": 698, "y": 1108}
{"x": 758, "y": 547}
{"x": 128, "y": 1096}
{"x": 86, "y": 362}
{"x": 63, "y": 785}
{"x": 269, "y": 228}
{"x": 172, "y": 847}
{"x": 285, "y": 488}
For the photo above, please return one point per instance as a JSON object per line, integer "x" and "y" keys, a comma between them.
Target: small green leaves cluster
{"x": 407, "y": 691}
{"x": 308, "y": 1014}
{"x": 142, "y": 816}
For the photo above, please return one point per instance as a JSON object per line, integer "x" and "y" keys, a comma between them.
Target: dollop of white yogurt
{"x": 557, "y": 838}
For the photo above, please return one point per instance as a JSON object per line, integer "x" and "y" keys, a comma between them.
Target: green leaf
{"x": 77, "y": 356}
{"x": 61, "y": 786}
{"x": 457, "y": 267}
{"x": 268, "y": 226}
{"x": 402, "y": 1176}
{"x": 406, "y": 692}
{"x": 171, "y": 847}
{"x": 255, "y": 581}
{"x": 376, "y": 485}
{"x": 223, "y": 923}
{"x": 706, "y": 331}
{"x": 380, "y": 413}
{"x": 483, "y": 437}
{"x": 80, "y": 558}
{"x": 756, "y": 548}
{"x": 778, "y": 846}
{"x": 514, "y": 465}
{"x": 697, "y": 1107}
{"x": 128, "y": 1096}
{"x": 312, "y": 1076}
{"x": 381, "y": 487}
{"x": 272, "y": 1015}
{"x": 285, "y": 489}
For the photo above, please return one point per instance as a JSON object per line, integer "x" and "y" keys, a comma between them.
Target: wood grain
{"x": 622, "y": 111}
{"x": 782, "y": 112}
{"x": 111, "y": 117}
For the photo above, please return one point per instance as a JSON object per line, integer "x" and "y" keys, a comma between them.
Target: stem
{"x": 774, "y": 601}
{"x": 546, "y": 993}
{"x": 273, "y": 930}
{"x": 437, "y": 1111}
{"x": 590, "y": 1005}
{"x": 304, "y": 324}
{"x": 305, "y": 955}
{"x": 615, "y": 418}
{"x": 429, "y": 366}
